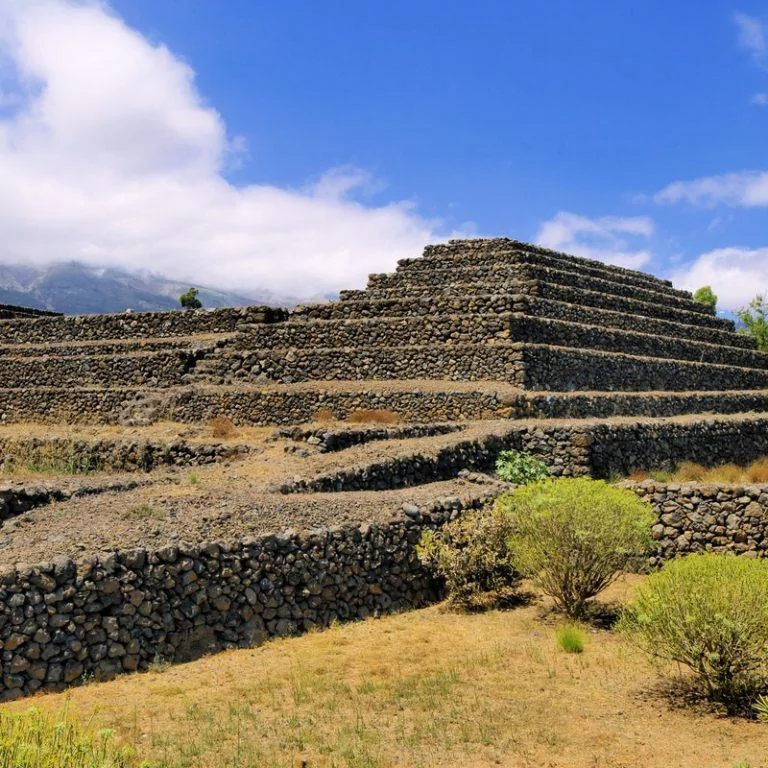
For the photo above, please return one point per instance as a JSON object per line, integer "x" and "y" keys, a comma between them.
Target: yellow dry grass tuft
{"x": 222, "y": 428}
{"x": 690, "y": 471}
{"x": 372, "y": 416}
{"x": 428, "y": 688}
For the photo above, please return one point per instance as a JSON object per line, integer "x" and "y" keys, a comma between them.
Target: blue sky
{"x": 632, "y": 132}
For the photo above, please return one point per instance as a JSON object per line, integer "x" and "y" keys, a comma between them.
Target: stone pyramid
{"x": 475, "y": 329}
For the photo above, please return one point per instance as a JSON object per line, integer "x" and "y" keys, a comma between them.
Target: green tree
{"x": 755, "y": 319}
{"x": 705, "y": 295}
{"x": 189, "y": 299}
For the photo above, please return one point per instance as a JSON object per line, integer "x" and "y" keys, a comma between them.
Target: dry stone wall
{"x": 695, "y": 517}
{"x": 135, "y": 325}
{"x": 118, "y": 612}
{"x": 77, "y": 456}
{"x": 10, "y": 312}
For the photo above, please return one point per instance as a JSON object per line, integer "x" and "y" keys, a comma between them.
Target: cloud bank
{"x": 736, "y": 275}
{"x": 110, "y": 156}
{"x": 746, "y": 189}
{"x": 604, "y": 238}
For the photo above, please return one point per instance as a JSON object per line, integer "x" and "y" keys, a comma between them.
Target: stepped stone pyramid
{"x": 475, "y": 329}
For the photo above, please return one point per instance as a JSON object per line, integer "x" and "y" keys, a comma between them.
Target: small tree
{"x": 189, "y": 299}
{"x": 708, "y": 612}
{"x": 755, "y": 319}
{"x": 573, "y": 536}
{"x": 705, "y": 295}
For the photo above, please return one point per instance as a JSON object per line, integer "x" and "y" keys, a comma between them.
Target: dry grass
{"x": 690, "y": 471}
{"x": 222, "y": 428}
{"x": 324, "y": 415}
{"x": 373, "y": 416}
{"x": 429, "y": 688}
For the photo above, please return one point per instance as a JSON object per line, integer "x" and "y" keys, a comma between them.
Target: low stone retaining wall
{"x": 62, "y": 621}
{"x": 330, "y": 439}
{"x": 16, "y": 499}
{"x": 76, "y": 456}
{"x": 696, "y": 517}
{"x": 564, "y": 451}
{"x": 506, "y": 258}
{"x": 135, "y": 325}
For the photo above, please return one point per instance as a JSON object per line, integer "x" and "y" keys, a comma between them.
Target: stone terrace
{"x": 479, "y": 346}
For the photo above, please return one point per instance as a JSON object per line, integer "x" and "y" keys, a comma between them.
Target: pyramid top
{"x": 469, "y": 248}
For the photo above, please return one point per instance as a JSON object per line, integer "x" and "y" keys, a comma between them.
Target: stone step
{"x": 468, "y": 250}
{"x": 489, "y": 328}
{"x": 491, "y": 276}
{"x": 139, "y": 368}
{"x": 135, "y": 325}
{"x": 532, "y": 366}
{"x": 551, "y": 368}
{"x": 553, "y": 332}
{"x": 117, "y": 347}
{"x": 397, "y": 306}
{"x": 406, "y": 330}
{"x": 442, "y": 299}
{"x": 457, "y": 362}
{"x": 411, "y": 401}
{"x": 514, "y": 258}
{"x": 558, "y": 310}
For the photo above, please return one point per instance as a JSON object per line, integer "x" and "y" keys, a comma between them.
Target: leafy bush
{"x": 520, "y": 468}
{"x": 571, "y": 639}
{"x": 189, "y": 299}
{"x": 755, "y": 320}
{"x": 572, "y": 536}
{"x": 708, "y": 612}
{"x": 472, "y": 555}
{"x": 31, "y": 739}
{"x": 705, "y": 295}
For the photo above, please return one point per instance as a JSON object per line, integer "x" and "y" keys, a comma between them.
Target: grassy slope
{"x": 429, "y": 688}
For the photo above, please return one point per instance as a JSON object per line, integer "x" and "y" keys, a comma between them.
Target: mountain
{"x": 75, "y": 288}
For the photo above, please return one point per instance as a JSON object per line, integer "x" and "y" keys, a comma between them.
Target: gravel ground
{"x": 153, "y": 517}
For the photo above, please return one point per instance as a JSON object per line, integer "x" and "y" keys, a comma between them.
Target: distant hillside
{"x": 75, "y": 288}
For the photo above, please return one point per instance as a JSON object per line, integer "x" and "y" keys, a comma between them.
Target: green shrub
{"x": 472, "y": 555}
{"x": 572, "y": 536}
{"x": 520, "y": 468}
{"x": 705, "y": 295}
{"x": 709, "y": 613}
{"x": 571, "y": 639}
{"x": 31, "y": 739}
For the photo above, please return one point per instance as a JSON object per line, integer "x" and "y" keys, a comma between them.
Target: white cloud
{"x": 759, "y": 99}
{"x": 744, "y": 189}
{"x": 604, "y": 239}
{"x": 735, "y": 274}
{"x": 752, "y": 37}
{"x": 110, "y": 156}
